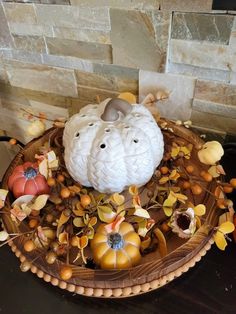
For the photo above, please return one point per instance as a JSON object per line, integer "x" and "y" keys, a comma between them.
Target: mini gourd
{"x": 112, "y": 145}
{"x": 210, "y": 153}
{"x": 116, "y": 250}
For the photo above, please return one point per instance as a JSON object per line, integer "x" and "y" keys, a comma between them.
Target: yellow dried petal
{"x": 200, "y": 210}
{"x": 220, "y": 240}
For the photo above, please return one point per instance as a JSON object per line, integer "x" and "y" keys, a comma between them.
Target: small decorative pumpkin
{"x": 112, "y": 145}
{"x": 26, "y": 179}
{"x": 116, "y": 250}
{"x": 210, "y": 153}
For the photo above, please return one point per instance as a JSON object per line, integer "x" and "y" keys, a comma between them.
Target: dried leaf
{"x": 62, "y": 220}
{"x": 3, "y": 235}
{"x": 175, "y": 151}
{"x": 79, "y": 211}
{"x": 133, "y": 190}
{"x": 117, "y": 198}
{"x": 78, "y": 222}
{"x": 43, "y": 168}
{"x": 220, "y": 241}
{"x": 18, "y": 213}
{"x": 55, "y": 199}
{"x": 92, "y": 221}
{"x": 3, "y": 195}
{"x": 169, "y": 203}
{"x": 163, "y": 180}
{"x": 114, "y": 226}
{"x": 63, "y": 237}
{"x": 140, "y": 212}
{"x": 145, "y": 243}
{"x": 40, "y": 202}
{"x": 105, "y": 209}
{"x": 226, "y": 227}
{"x": 200, "y": 210}
{"x": 83, "y": 242}
{"x": 24, "y": 199}
{"x": 162, "y": 247}
{"x": 107, "y": 217}
{"x": 142, "y": 227}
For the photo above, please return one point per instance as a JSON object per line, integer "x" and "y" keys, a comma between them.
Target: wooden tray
{"x": 152, "y": 273}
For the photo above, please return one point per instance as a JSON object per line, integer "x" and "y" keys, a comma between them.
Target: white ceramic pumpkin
{"x": 112, "y": 145}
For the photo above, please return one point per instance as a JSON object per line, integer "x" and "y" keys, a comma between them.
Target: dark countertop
{"x": 209, "y": 287}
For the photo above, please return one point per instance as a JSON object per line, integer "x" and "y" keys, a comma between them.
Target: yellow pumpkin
{"x": 116, "y": 250}
{"x": 210, "y": 153}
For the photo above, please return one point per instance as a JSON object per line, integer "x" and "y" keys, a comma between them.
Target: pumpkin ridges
{"x": 30, "y": 187}
{"x": 108, "y": 260}
{"x": 13, "y": 178}
{"x": 122, "y": 260}
{"x": 125, "y": 228}
{"x": 133, "y": 253}
{"x": 97, "y": 255}
{"x": 41, "y": 184}
{"x": 19, "y": 187}
{"x": 135, "y": 241}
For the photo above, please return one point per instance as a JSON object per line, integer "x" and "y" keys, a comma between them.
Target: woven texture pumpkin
{"x": 112, "y": 145}
{"x": 26, "y": 179}
{"x": 116, "y": 250}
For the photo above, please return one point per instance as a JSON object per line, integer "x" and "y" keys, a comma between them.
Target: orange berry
{"x": 60, "y": 178}
{"x": 51, "y": 181}
{"x": 34, "y": 213}
{"x": 221, "y": 203}
{"x": 206, "y": 176}
{"x": 165, "y": 227}
{"x": 228, "y": 188}
{"x": 190, "y": 169}
{"x": 49, "y": 218}
{"x": 164, "y": 170}
{"x": 33, "y": 223}
{"x": 74, "y": 241}
{"x": 196, "y": 189}
{"x": 29, "y": 246}
{"x": 66, "y": 272}
{"x": 186, "y": 185}
{"x": 85, "y": 200}
{"x": 65, "y": 193}
{"x": 12, "y": 141}
{"x": 51, "y": 257}
{"x": 233, "y": 182}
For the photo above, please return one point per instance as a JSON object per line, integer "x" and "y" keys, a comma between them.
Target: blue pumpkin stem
{"x": 115, "y": 241}
{"x": 30, "y": 173}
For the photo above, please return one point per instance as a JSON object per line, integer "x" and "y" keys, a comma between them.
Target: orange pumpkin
{"x": 26, "y": 179}
{"x": 116, "y": 250}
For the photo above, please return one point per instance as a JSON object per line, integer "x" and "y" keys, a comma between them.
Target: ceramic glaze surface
{"x": 110, "y": 156}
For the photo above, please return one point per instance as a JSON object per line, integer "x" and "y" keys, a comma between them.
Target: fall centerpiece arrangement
{"x": 113, "y": 202}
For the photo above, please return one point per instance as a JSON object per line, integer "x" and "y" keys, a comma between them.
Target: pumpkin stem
{"x": 115, "y": 241}
{"x": 113, "y": 107}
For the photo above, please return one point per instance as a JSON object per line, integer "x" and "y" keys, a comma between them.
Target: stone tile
{"x": 5, "y": 37}
{"x": 233, "y": 78}
{"x": 201, "y": 54}
{"x": 209, "y": 134}
{"x": 215, "y": 92}
{"x": 41, "y": 78}
{"x": 186, "y": 5}
{"x": 199, "y": 72}
{"x": 68, "y": 16}
{"x": 67, "y": 62}
{"x": 214, "y": 108}
{"x": 91, "y": 95}
{"x": 20, "y": 13}
{"x": 3, "y": 73}
{"x": 29, "y": 43}
{"x": 161, "y": 22}
{"x": 79, "y": 49}
{"x": 112, "y": 80}
{"x": 102, "y": 37}
{"x": 26, "y": 56}
{"x": 133, "y": 40}
{"x": 54, "y": 1}
{"x": 214, "y": 122}
{"x": 125, "y": 4}
{"x": 179, "y": 87}
{"x": 23, "y": 95}
{"x": 30, "y": 29}
{"x": 194, "y": 26}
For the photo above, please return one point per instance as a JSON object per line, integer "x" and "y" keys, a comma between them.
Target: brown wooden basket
{"x": 151, "y": 274}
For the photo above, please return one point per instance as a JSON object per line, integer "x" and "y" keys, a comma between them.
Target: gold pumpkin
{"x": 210, "y": 153}
{"x": 116, "y": 250}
